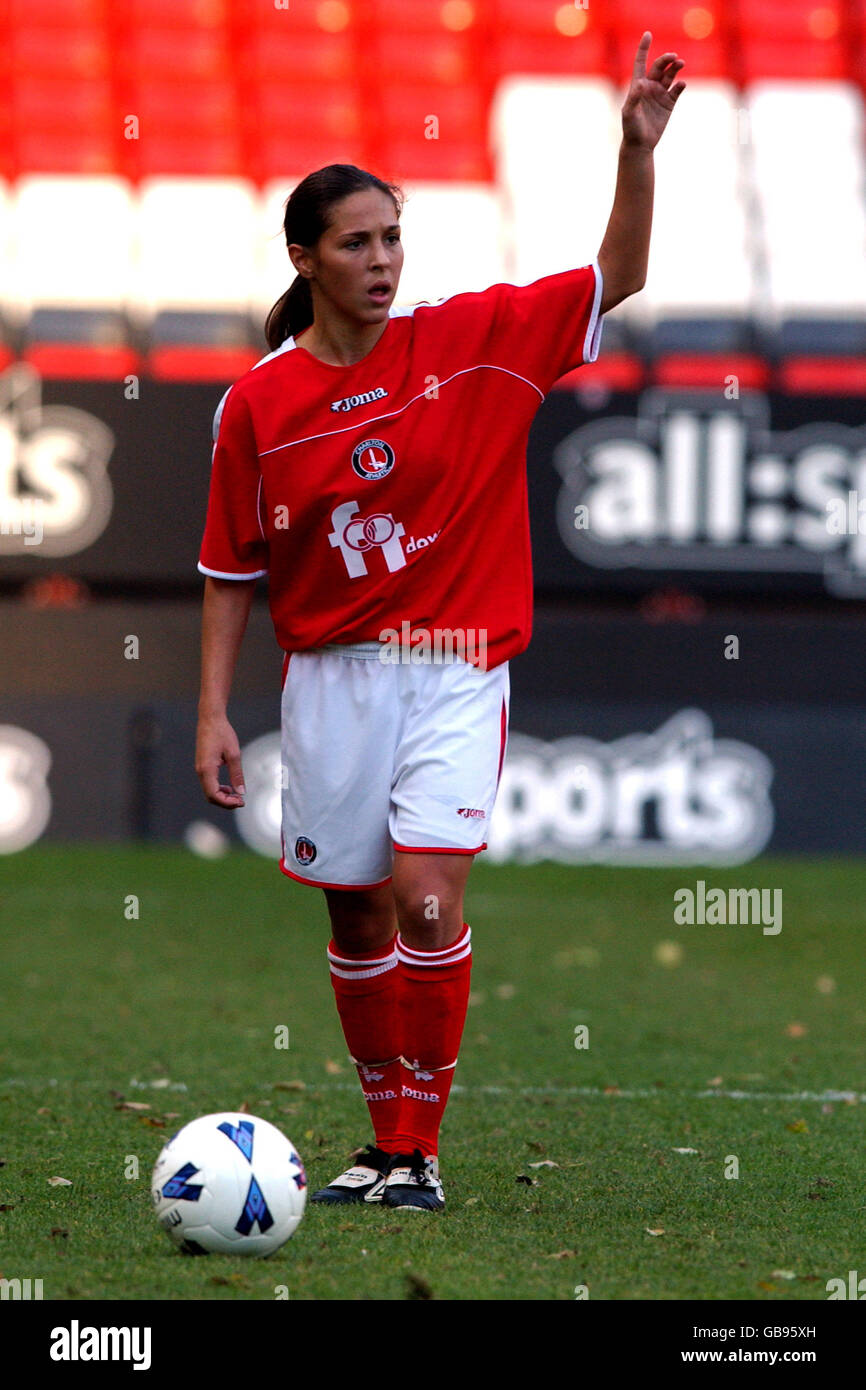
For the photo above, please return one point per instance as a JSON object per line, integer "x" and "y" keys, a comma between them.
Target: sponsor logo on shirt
{"x": 372, "y": 459}
{"x": 356, "y": 536}
{"x": 365, "y": 398}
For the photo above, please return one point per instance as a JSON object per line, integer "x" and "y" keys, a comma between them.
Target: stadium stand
{"x": 161, "y": 138}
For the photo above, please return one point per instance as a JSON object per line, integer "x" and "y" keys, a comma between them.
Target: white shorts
{"x": 378, "y": 757}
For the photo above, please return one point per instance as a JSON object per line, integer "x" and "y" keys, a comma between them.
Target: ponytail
{"x": 292, "y": 313}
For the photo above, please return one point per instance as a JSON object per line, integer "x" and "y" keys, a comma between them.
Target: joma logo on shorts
{"x": 471, "y": 813}
{"x": 365, "y": 398}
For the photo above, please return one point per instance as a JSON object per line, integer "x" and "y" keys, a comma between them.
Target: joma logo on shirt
{"x": 365, "y": 398}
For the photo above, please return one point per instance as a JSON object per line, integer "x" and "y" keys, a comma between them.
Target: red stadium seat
{"x": 822, "y": 376}
{"x": 73, "y": 52}
{"x": 274, "y": 56}
{"x": 81, "y": 361}
{"x": 615, "y": 371}
{"x": 559, "y": 57}
{"x": 814, "y": 21}
{"x": 791, "y": 58}
{"x": 185, "y": 14}
{"x": 196, "y": 363}
{"x": 439, "y": 58}
{"x": 202, "y": 153}
{"x": 709, "y": 370}
{"x": 64, "y": 149}
{"x": 58, "y": 14}
{"x": 185, "y": 54}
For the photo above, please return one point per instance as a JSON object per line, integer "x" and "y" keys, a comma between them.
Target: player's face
{"x": 360, "y": 249}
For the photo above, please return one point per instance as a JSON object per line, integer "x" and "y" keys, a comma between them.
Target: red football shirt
{"x": 394, "y": 490}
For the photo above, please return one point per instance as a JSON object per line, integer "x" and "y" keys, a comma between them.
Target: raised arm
{"x": 624, "y": 252}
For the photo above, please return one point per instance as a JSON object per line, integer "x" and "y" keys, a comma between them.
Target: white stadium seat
{"x": 808, "y": 182}
{"x": 555, "y": 144}
{"x": 701, "y": 257}
{"x": 453, "y": 240}
{"x": 72, "y": 241}
{"x": 197, "y": 244}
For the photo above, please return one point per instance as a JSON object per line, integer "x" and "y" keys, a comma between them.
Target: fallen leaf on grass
{"x": 561, "y": 1255}
{"x": 783, "y": 1274}
{"x": 132, "y": 1105}
{"x": 290, "y": 1085}
{"x": 659, "y": 1232}
{"x": 798, "y": 1127}
{"x": 43, "y": 1110}
{"x": 543, "y": 1163}
{"x": 243, "y": 1109}
{"x": 471, "y": 1201}
{"x": 796, "y": 1030}
{"x": 7, "y": 1206}
{"x": 505, "y": 991}
{"x": 58, "y": 1231}
{"x": 683, "y": 1151}
{"x": 611, "y": 1091}
{"x": 715, "y": 1081}
{"x": 763, "y": 1284}
{"x": 60, "y": 1182}
{"x": 333, "y": 1068}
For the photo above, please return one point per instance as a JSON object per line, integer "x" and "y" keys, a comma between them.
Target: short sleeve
{"x": 551, "y": 326}
{"x": 234, "y": 545}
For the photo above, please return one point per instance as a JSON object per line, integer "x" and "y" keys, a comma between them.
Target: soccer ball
{"x": 229, "y": 1184}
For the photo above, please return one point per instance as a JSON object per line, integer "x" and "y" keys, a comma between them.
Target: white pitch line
{"x": 584, "y": 1092}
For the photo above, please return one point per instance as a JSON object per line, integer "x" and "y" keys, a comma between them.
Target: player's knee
{"x": 361, "y": 919}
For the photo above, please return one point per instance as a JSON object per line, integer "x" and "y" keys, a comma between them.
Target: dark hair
{"x": 307, "y": 217}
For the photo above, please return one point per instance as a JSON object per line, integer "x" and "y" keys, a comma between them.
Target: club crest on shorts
{"x": 372, "y": 459}
{"x": 305, "y": 850}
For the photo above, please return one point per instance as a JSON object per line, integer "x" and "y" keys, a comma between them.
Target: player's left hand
{"x": 651, "y": 97}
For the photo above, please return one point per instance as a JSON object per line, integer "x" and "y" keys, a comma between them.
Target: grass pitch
{"x": 711, "y": 1050}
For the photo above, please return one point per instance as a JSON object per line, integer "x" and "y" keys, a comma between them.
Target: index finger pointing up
{"x": 641, "y": 55}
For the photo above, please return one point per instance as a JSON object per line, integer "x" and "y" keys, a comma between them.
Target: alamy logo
{"x": 676, "y": 796}
{"x": 77, "y": 1343}
{"x": 700, "y": 482}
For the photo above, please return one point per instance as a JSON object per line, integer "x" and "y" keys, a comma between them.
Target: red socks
{"x": 403, "y": 1012}
{"x": 365, "y": 984}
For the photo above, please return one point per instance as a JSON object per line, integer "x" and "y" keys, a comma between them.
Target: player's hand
{"x": 217, "y": 746}
{"x": 651, "y": 96}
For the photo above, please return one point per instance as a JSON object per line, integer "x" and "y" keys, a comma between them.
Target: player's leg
{"x": 450, "y": 759}
{"x": 336, "y": 789}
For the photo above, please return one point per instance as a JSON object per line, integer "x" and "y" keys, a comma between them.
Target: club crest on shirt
{"x": 372, "y": 459}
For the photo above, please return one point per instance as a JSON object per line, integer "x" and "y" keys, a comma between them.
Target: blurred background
{"x": 695, "y": 687}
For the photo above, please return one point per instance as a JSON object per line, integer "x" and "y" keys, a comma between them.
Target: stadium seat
{"x": 700, "y": 251}
{"x": 197, "y": 241}
{"x": 200, "y": 346}
{"x": 453, "y": 240}
{"x": 811, "y": 206}
{"x": 80, "y": 343}
{"x": 822, "y": 356}
{"x": 705, "y": 350}
{"x": 432, "y": 132}
{"x": 555, "y": 221}
{"x": 73, "y": 242}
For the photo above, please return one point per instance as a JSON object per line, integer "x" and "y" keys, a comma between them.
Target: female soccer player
{"x": 373, "y": 465}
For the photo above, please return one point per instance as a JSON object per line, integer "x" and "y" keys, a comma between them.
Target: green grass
{"x": 96, "y": 1007}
